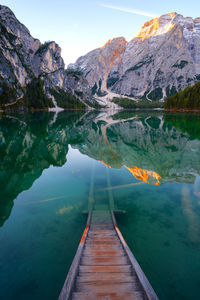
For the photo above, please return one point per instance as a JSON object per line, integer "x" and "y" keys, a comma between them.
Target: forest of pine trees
{"x": 188, "y": 99}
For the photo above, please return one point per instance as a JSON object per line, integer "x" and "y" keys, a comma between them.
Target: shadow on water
{"x": 154, "y": 164}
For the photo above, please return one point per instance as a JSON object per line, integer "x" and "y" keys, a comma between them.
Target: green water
{"x": 53, "y": 166}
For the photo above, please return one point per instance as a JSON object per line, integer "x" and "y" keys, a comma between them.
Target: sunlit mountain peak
{"x": 157, "y": 26}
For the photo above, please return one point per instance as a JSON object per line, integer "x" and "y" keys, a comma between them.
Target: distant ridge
{"x": 163, "y": 58}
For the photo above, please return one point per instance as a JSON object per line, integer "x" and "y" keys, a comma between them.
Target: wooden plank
{"x": 102, "y": 231}
{"x": 107, "y": 287}
{"x": 90, "y": 277}
{"x": 103, "y": 221}
{"x": 118, "y": 256}
{"x": 108, "y": 296}
{"x": 94, "y": 252}
{"x": 101, "y": 235}
{"x": 104, "y": 212}
{"x": 107, "y": 241}
{"x": 103, "y": 261}
{"x": 95, "y": 227}
{"x": 104, "y": 269}
{"x": 105, "y": 237}
{"x": 101, "y": 226}
{"x": 105, "y": 282}
{"x": 111, "y": 277}
{"x": 102, "y": 242}
{"x": 101, "y": 218}
{"x": 104, "y": 247}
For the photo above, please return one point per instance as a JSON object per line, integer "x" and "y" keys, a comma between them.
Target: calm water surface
{"x": 53, "y": 167}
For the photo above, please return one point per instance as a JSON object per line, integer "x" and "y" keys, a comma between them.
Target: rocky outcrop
{"x": 163, "y": 58}
{"x": 23, "y": 58}
{"x": 98, "y": 64}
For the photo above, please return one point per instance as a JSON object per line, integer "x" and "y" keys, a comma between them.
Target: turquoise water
{"x": 53, "y": 167}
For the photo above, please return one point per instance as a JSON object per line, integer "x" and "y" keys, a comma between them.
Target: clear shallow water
{"x": 52, "y": 167}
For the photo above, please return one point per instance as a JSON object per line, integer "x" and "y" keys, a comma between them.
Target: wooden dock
{"x": 104, "y": 268}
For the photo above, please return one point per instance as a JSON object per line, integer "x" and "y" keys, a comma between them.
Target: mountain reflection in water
{"x": 53, "y": 166}
{"x": 154, "y": 148}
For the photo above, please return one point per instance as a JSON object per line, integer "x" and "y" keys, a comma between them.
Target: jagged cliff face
{"x": 98, "y": 63}
{"x": 23, "y": 58}
{"x": 163, "y": 58}
{"x": 17, "y": 50}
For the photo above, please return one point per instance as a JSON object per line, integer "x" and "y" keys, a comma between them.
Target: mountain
{"x": 137, "y": 142}
{"x": 32, "y": 74}
{"x": 162, "y": 59}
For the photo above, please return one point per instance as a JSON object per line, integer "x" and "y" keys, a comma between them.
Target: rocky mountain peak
{"x": 6, "y": 11}
{"x": 120, "y": 41}
{"x": 13, "y": 26}
{"x": 97, "y": 64}
{"x": 165, "y": 23}
{"x": 26, "y": 65}
{"x": 50, "y": 59}
{"x": 157, "y": 26}
{"x": 162, "y": 59}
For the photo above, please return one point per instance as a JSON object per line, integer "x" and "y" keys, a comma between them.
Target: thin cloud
{"x": 129, "y": 10}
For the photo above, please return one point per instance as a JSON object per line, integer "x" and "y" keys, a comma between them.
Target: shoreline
{"x": 101, "y": 109}
{"x": 183, "y": 110}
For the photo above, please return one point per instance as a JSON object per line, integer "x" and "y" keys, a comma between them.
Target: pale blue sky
{"x": 79, "y": 26}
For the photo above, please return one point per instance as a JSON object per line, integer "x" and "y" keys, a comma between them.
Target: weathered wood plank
{"x": 106, "y": 282}
{"x": 104, "y": 247}
{"x": 106, "y": 287}
{"x": 94, "y": 252}
{"x": 102, "y": 231}
{"x": 104, "y": 261}
{"x": 101, "y": 226}
{"x": 108, "y": 296}
{"x": 101, "y": 236}
{"x": 121, "y": 277}
{"x": 103, "y": 240}
{"x": 104, "y": 269}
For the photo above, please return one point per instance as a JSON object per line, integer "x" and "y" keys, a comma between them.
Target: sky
{"x": 79, "y": 26}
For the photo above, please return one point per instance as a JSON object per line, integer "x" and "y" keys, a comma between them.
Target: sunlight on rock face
{"x": 156, "y": 27}
{"x": 141, "y": 174}
{"x": 145, "y": 175}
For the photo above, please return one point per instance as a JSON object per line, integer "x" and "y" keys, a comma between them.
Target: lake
{"x": 53, "y": 166}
